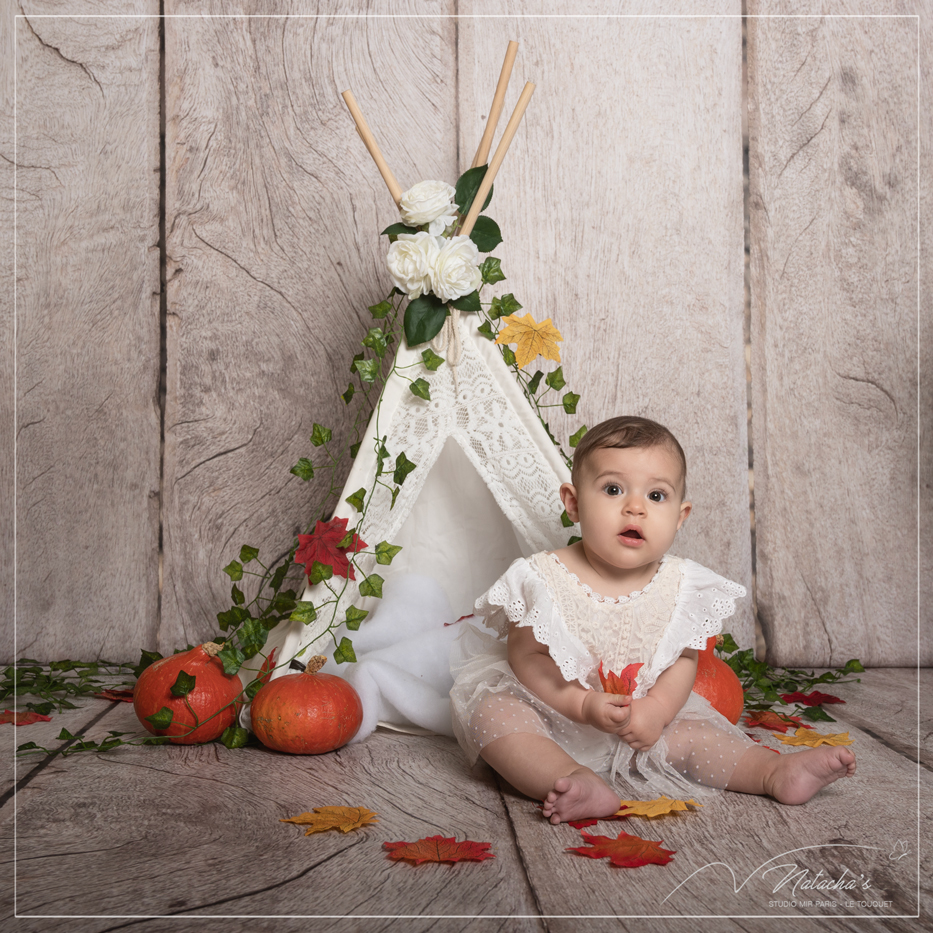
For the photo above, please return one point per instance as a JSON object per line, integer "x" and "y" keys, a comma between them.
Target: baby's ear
{"x": 568, "y": 495}
{"x": 685, "y": 509}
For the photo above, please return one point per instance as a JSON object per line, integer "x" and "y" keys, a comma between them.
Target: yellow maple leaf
{"x": 814, "y": 739}
{"x": 530, "y": 338}
{"x": 342, "y": 818}
{"x": 657, "y": 807}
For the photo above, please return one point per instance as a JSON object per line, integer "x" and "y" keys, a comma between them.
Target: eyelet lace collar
{"x": 596, "y": 597}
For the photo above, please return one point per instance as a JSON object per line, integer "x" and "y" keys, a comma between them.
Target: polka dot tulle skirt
{"x": 694, "y": 757}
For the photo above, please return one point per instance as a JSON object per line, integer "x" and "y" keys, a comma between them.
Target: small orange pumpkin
{"x": 718, "y": 683}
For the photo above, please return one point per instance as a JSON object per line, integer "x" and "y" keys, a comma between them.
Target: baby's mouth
{"x": 631, "y": 532}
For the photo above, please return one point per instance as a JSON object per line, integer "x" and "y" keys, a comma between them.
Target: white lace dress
{"x": 682, "y": 606}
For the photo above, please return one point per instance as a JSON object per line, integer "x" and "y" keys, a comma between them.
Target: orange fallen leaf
{"x": 438, "y": 849}
{"x": 657, "y": 807}
{"x": 623, "y": 683}
{"x": 342, "y": 818}
{"x": 767, "y": 719}
{"x": 24, "y": 718}
{"x": 624, "y": 851}
{"x": 531, "y": 339}
{"x": 814, "y": 739}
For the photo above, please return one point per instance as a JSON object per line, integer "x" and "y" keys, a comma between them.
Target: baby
{"x": 530, "y": 701}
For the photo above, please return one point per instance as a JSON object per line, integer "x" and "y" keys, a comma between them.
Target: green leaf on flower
{"x": 236, "y": 594}
{"x": 234, "y": 570}
{"x": 508, "y": 355}
{"x": 468, "y": 302}
{"x": 486, "y": 234}
{"x": 565, "y": 519}
{"x": 486, "y": 330}
{"x": 502, "y": 306}
{"x": 253, "y": 637}
{"x": 232, "y": 659}
{"x": 421, "y": 388}
{"x": 556, "y": 379}
{"x": 145, "y": 659}
{"x": 354, "y": 617}
{"x": 184, "y": 684}
{"x": 424, "y": 317}
{"x": 467, "y": 186}
{"x": 303, "y": 469}
{"x": 403, "y": 466}
{"x": 534, "y": 382}
{"x": 234, "y": 737}
{"x": 159, "y": 720}
{"x": 367, "y": 370}
{"x": 372, "y": 586}
{"x": 375, "y": 340}
{"x": 380, "y": 310}
{"x": 431, "y": 360}
{"x": 355, "y": 449}
{"x": 319, "y": 572}
{"x": 357, "y": 499}
{"x": 348, "y": 395}
{"x": 578, "y": 436}
{"x": 248, "y": 553}
{"x": 393, "y": 230}
{"x": 344, "y": 651}
{"x": 385, "y": 552}
{"x": 570, "y": 400}
{"x": 320, "y": 435}
{"x": 491, "y": 270}
{"x": 304, "y": 613}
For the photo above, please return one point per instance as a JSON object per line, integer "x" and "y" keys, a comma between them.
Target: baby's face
{"x": 629, "y": 505}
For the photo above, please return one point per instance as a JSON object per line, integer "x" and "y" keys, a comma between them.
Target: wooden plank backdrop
{"x": 621, "y": 206}
{"x": 88, "y": 420}
{"x": 833, "y": 159}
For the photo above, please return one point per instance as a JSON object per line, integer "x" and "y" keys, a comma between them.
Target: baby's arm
{"x": 535, "y": 668}
{"x": 663, "y": 702}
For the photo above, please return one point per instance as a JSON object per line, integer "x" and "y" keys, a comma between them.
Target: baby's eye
{"x": 612, "y": 490}
{"x": 657, "y": 496}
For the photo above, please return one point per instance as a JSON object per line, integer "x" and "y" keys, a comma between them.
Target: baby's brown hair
{"x": 628, "y": 431}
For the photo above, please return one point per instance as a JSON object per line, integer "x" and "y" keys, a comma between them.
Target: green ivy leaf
{"x": 320, "y": 572}
{"x": 565, "y": 519}
{"x": 234, "y": 570}
{"x": 368, "y": 370}
{"x": 508, "y": 355}
{"x": 395, "y": 493}
{"x": 234, "y": 737}
{"x": 424, "y": 317}
{"x": 491, "y": 271}
{"x": 816, "y": 714}
{"x": 304, "y": 612}
{"x": 382, "y": 454}
{"x": 431, "y": 360}
{"x": 354, "y": 617}
{"x": 358, "y": 499}
{"x": 468, "y": 302}
{"x": 486, "y": 330}
{"x": 403, "y": 466}
{"x": 348, "y": 395}
{"x": 303, "y": 469}
{"x": 355, "y": 449}
{"x": 534, "y": 382}
{"x": 320, "y": 435}
{"x": 728, "y": 644}
{"x": 578, "y": 436}
{"x": 236, "y": 594}
{"x": 421, "y": 388}
{"x": 573, "y": 539}
{"x": 467, "y": 186}
{"x": 486, "y": 234}
{"x": 393, "y": 230}
{"x": 372, "y": 586}
{"x": 184, "y": 684}
{"x": 380, "y": 310}
{"x": 344, "y": 651}
{"x": 375, "y": 340}
{"x": 253, "y": 637}
{"x": 570, "y": 400}
{"x": 278, "y": 578}
{"x": 253, "y": 687}
{"x": 556, "y": 379}
{"x": 159, "y": 720}
{"x": 853, "y": 667}
{"x": 145, "y": 659}
{"x": 385, "y": 552}
{"x": 248, "y": 553}
{"x": 504, "y": 306}
{"x": 232, "y": 659}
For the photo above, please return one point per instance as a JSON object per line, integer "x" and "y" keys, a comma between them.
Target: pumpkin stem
{"x": 315, "y": 664}
{"x": 212, "y": 648}
{"x": 719, "y": 641}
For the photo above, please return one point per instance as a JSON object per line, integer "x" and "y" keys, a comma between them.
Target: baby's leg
{"x": 522, "y": 751}
{"x": 791, "y": 778}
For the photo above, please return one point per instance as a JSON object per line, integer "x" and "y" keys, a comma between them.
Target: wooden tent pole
{"x": 370, "y": 142}
{"x": 485, "y": 144}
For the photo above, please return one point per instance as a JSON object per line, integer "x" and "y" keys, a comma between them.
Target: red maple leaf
{"x": 623, "y": 683}
{"x": 767, "y": 719}
{"x": 759, "y": 742}
{"x": 323, "y": 546}
{"x": 438, "y": 849}
{"x": 624, "y": 851}
{"x": 582, "y": 824}
{"x": 24, "y": 718}
{"x": 115, "y": 695}
{"x": 814, "y": 698}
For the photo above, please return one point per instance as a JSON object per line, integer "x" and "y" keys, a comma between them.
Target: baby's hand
{"x": 608, "y": 712}
{"x": 645, "y": 724}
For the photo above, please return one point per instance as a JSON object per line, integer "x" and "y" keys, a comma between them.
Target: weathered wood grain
{"x": 620, "y": 202}
{"x": 87, "y": 345}
{"x": 274, "y": 209}
{"x": 833, "y": 175}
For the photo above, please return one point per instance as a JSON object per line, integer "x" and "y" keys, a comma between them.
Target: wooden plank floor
{"x": 141, "y": 838}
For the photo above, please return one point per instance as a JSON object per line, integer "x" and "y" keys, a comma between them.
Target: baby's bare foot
{"x": 799, "y": 775}
{"x": 579, "y": 795}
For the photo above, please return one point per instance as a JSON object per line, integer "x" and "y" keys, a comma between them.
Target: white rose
{"x": 411, "y": 262}
{"x": 429, "y": 202}
{"x": 456, "y": 271}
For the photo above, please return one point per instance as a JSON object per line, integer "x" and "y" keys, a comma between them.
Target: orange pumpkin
{"x": 306, "y": 713}
{"x": 718, "y": 683}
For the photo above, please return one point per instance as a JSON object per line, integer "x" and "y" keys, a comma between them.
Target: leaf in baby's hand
{"x": 767, "y": 719}
{"x": 438, "y": 849}
{"x": 126, "y": 696}
{"x": 624, "y": 851}
{"x": 657, "y": 807}
{"x": 23, "y": 718}
{"x": 812, "y": 738}
{"x": 342, "y": 818}
{"x": 623, "y": 683}
{"x": 814, "y": 698}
